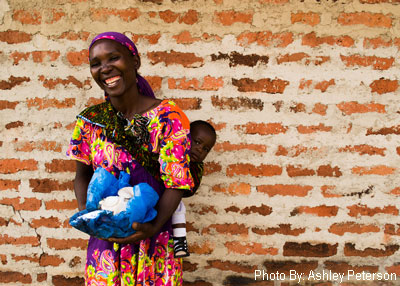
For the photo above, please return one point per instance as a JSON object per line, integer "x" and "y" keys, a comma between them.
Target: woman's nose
{"x": 105, "y": 68}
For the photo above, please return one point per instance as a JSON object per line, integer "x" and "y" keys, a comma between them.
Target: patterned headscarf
{"x": 143, "y": 85}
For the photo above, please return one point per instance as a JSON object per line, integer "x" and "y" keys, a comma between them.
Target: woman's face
{"x": 113, "y": 67}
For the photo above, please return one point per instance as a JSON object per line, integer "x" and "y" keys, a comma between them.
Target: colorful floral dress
{"x": 102, "y": 139}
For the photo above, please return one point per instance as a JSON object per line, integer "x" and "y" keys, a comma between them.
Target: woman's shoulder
{"x": 169, "y": 109}
{"x": 94, "y": 114}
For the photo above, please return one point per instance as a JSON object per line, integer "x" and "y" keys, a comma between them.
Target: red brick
{"x": 49, "y": 222}
{"x": 235, "y": 103}
{"x": 52, "y": 83}
{"x": 294, "y": 151}
{"x": 286, "y": 267}
{"x": 189, "y": 18}
{"x": 155, "y": 82}
{"x": 15, "y": 277}
{"x": 185, "y": 38}
{"x": 32, "y": 17}
{"x": 17, "y": 258}
{"x": 168, "y": 16}
{"x": 236, "y": 188}
{"x": 41, "y": 277}
{"x": 352, "y": 227}
{"x": 266, "y": 39}
{"x": 23, "y": 240}
{"x": 14, "y": 37}
{"x": 393, "y": 269}
{"x": 94, "y": 101}
{"x": 230, "y": 266}
{"x": 363, "y": 210}
{"x": 61, "y": 205}
{"x": 384, "y": 131}
{"x": 201, "y": 248}
{"x": 284, "y": 229}
{"x": 266, "y": 85}
{"x": 262, "y": 128}
{"x": 321, "y": 211}
{"x": 189, "y": 267}
{"x": 40, "y": 103}
{"x": 175, "y": 58}
{"x": 323, "y": 85}
{"x": 151, "y": 39}
{"x": 298, "y": 171}
{"x": 263, "y": 210}
{"x": 188, "y": 103}
{"x": 5, "y": 104}
{"x": 249, "y": 248}
{"x": 43, "y": 145}
{"x": 102, "y": 14}
{"x": 256, "y": 171}
{"x": 376, "y": 62}
{"x": 377, "y": 42}
{"x": 37, "y": 56}
{"x": 13, "y": 82}
{"x": 211, "y": 167}
{"x": 28, "y": 204}
{"x": 77, "y": 58}
{"x": 309, "y": 18}
{"x": 14, "y": 124}
{"x": 9, "y": 184}
{"x": 312, "y": 40}
{"x": 59, "y": 165}
{"x": 308, "y": 250}
{"x": 365, "y": 18}
{"x": 209, "y": 83}
{"x": 55, "y": 16}
{"x": 314, "y": 128}
{"x": 10, "y": 166}
{"x": 66, "y": 244}
{"x": 287, "y": 58}
{"x": 364, "y": 149}
{"x": 59, "y": 280}
{"x": 344, "y": 267}
{"x": 226, "y": 146}
{"x": 3, "y": 259}
{"x": 228, "y": 18}
{"x": 350, "y": 250}
{"x": 395, "y": 191}
{"x": 382, "y": 86}
{"x": 284, "y": 190}
{"x": 381, "y": 170}
{"x": 73, "y": 36}
{"x": 50, "y": 260}
{"x": 227, "y": 228}
{"x": 236, "y": 59}
{"x": 329, "y": 171}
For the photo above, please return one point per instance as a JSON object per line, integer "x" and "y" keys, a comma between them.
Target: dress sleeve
{"x": 174, "y": 149}
{"x": 79, "y": 146}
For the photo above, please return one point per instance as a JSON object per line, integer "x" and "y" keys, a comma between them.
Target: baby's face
{"x": 202, "y": 142}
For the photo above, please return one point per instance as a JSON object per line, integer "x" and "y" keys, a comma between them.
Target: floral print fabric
{"x": 166, "y": 156}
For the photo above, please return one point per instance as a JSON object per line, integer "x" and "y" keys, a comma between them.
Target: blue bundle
{"x": 103, "y": 223}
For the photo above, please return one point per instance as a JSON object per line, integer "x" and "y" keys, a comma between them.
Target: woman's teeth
{"x": 110, "y": 82}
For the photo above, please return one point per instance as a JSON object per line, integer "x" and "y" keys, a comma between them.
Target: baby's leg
{"x": 179, "y": 231}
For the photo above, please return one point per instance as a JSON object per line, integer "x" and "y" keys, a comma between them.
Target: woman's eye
{"x": 114, "y": 58}
{"x": 95, "y": 64}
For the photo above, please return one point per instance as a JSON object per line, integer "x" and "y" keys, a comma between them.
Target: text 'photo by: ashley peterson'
{"x": 311, "y": 276}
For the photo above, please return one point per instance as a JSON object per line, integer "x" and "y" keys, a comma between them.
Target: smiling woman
{"x": 132, "y": 129}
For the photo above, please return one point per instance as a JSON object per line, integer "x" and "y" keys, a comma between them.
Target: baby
{"x": 203, "y": 140}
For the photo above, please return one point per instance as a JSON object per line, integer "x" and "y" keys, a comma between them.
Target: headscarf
{"x": 142, "y": 84}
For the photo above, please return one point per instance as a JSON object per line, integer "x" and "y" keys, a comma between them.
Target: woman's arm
{"x": 82, "y": 178}
{"x": 167, "y": 205}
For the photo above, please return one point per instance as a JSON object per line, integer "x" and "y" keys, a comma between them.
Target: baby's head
{"x": 203, "y": 140}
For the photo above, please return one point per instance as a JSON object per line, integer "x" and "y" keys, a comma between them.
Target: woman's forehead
{"x": 106, "y": 46}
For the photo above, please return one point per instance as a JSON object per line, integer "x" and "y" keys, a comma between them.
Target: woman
{"x": 131, "y": 124}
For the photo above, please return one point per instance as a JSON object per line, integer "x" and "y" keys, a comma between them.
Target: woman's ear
{"x": 136, "y": 62}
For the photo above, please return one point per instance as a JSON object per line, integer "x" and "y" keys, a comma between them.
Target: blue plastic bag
{"x": 102, "y": 223}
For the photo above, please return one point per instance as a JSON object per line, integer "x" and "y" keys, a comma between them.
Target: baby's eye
{"x": 196, "y": 142}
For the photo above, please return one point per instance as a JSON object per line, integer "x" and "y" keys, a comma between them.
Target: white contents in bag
{"x": 117, "y": 204}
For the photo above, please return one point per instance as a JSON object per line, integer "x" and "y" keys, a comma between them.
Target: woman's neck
{"x": 133, "y": 104}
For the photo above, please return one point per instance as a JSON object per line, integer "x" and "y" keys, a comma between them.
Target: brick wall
{"x": 304, "y": 95}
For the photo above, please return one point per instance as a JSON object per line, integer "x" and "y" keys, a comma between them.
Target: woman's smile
{"x": 113, "y": 81}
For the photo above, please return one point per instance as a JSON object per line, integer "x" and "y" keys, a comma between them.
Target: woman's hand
{"x": 143, "y": 231}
